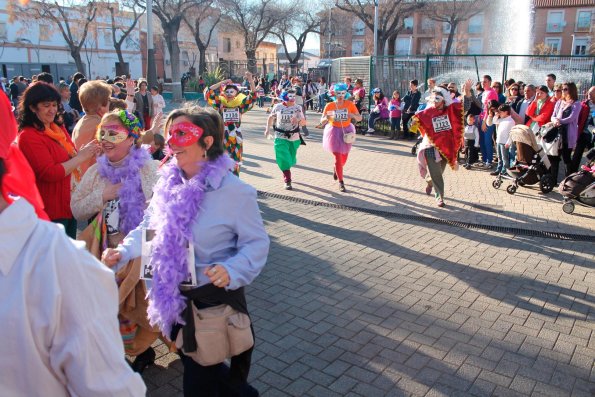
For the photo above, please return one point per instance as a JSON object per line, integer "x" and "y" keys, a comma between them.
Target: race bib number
{"x": 231, "y": 115}
{"x": 284, "y": 120}
{"x": 146, "y": 267}
{"x": 441, "y": 123}
{"x": 341, "y": 115}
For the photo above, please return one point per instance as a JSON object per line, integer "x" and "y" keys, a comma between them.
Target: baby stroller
{"x": 531, "y": 166}
{"x": 579, "y": 187}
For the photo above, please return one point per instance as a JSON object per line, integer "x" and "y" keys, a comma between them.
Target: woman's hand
{"x": 89, "y": 150}
{"x": 111, "y": 257}
{"x": 218, "y": 276}
{"x": 130, "y": 88}
{"x": 111, "y": 192}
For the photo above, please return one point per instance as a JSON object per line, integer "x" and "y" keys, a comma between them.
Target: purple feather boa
{"x": 131, "y": 195}
{"x": 175, "y": 207}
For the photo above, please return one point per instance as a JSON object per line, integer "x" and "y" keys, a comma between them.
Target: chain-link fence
{"x": 395, "y": 72}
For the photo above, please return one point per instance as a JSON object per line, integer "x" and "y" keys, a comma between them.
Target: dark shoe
{"x": 429, "y": 189}
{"x": 143, "y": 360}
{"x": 467, "y": 166}
{"x": 494, "y": 173}
{"x": 440, "y": 203}
{"x": 288, "y": 186}
{"x": 342, "y": 187}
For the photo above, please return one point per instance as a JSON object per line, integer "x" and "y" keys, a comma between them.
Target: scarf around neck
{"x": 177, "y": 202}
{"x": 131, "y": 195}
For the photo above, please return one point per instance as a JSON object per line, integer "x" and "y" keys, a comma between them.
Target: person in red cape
{"x": 18, "y": 180}
{"x": 442, "y": 127}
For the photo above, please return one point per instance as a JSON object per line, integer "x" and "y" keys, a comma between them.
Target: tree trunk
{"x": 392, "y": 44}
{"x": 118, "y": 48}
{"x": 451, "y": 36}
{"x": 170, "y": 33}
{"x": 251, "y": 55}
{"x": 76, "y": 55}
{"x": 202, "y": 59}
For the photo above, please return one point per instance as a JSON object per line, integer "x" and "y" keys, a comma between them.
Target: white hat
{"x": 443, "y": 93}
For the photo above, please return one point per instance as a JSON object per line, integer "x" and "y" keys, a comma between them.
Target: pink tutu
{"x": 332, "y": 138}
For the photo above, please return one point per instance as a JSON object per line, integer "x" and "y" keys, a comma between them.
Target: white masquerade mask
{"x": 340, "y": 93}
{"x": 290, "y": 97}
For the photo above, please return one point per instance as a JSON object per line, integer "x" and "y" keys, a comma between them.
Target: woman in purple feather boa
{"x": 199, "y": 201}
{"x": 116, "y": 189}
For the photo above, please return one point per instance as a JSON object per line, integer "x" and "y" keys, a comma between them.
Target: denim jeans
{"x": 372, "y": 119}
{"x": 395, "y": 123}
{"x": 486, "y": 145}
{"x": 503, "y": 159}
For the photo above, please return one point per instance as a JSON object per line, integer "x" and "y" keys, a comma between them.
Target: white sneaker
{"x": 370, "y": 130}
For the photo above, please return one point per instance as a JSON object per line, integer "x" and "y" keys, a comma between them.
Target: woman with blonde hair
{"x": 115, "y": 191}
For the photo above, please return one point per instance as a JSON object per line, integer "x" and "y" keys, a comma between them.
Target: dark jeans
{"x": 372, "y": 119}
{"x": 260, "y": 101}
{"x": 555, "y": 160}
{"x": 217, "y": 380}
{"x": 583, "y": 143}
{"x": 472, "y": 154}
{"x": 69, "y": 226}
{"x": 406, "y": 118}
{"x": 395, "y": 124}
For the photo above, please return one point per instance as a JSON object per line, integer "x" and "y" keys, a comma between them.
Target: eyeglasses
{"x": 564, "y": 89}
{"x": 514, "y": 89}
{"x": 557, "y": 90}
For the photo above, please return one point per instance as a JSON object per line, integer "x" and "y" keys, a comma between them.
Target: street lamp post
{"x": 151, "y": 66}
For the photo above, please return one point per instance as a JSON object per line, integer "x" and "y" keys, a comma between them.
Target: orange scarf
{"x": 57, "y": 134}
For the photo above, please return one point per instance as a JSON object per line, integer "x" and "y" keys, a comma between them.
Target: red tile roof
{"x": 563, "y": 3}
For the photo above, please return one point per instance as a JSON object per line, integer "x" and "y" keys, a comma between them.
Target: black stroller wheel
{"x": 511, "y": 189}
{"x": 546, "y": 183}
{"x": 568, "y": 207}
{"x": 496, "y": 184}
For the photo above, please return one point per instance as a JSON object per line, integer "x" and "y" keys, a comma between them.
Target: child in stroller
{"x": 531, "y": 165}
{"x": 579, "y": 187}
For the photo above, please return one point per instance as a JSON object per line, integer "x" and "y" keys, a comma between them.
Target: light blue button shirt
{"x": 228, "y": 230}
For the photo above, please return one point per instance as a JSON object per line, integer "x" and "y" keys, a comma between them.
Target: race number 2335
{"x": 231, "y": 115}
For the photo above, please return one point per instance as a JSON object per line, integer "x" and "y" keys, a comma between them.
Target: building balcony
{"x": 555, "y": 27}
{"x": 582, "y": 28}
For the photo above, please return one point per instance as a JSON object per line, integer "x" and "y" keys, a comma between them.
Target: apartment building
{"x": 29, "y": 46}
{"x": 564, "y": 25}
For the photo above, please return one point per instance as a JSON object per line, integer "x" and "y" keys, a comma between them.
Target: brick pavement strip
{"x": 353, "y": 304}
{"x": 341, "y": 337}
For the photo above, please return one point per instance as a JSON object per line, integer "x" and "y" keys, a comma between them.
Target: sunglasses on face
{"x": 557, "y": 90}
{"x": 564, "y": 89}
{"x": 230, "y": 92}
{"x": 514, "y": 89}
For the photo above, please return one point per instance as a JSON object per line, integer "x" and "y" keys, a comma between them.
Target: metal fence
{"x": 395, "y": 72}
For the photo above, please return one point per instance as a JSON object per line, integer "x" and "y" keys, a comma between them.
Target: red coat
{"x": 46, "y": 157}
{"x": 545, "y": 116}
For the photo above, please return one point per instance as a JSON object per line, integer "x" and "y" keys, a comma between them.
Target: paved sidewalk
{"x": 354, "y": 304}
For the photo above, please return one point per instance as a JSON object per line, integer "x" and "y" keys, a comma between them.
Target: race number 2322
{"x": 441, "y": 123}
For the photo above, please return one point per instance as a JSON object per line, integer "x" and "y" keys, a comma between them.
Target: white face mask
{"x": 290, "y": 97}
{"x": 340, "y": 94}
{"x": 230, "y": 92}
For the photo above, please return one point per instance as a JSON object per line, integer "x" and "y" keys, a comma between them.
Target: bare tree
{"x": 170, "y": 14}
{"x": 70, "y": 17}
{"x": 196, "y": 20}
{"x": 254, "y": 20}
{"x": 90, "y": 45}
{"x": 121, "y": 29}
{"x": 295, "y": 30}
{"x": 454, "y": 12}
{"x": 391, "y": 17}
